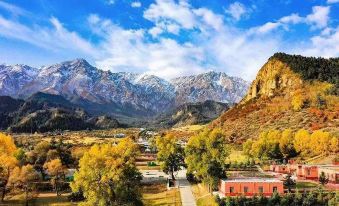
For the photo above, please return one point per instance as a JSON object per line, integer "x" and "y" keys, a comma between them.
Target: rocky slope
{"x": 290, "y": 91}
{"x": 216, "y": 86}
{"x": 122, "y": 95}
{"x": 192, "y": 113}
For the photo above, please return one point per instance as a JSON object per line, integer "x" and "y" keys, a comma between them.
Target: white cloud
{"x": 236, "y": 10}
{"x": 319, "y": 17}
{"x": 325, "y": 45}
{"x": 332, "y": 1}
{"x": 136, "y": 4}
{"x": 291, "y": 19}
{"x": 52, "y": 38}
{"x": 267, "y": 27}
{"x": 17, "y": 11}
{"x": 110, "y": 2}
{"x": 179, "y": 13}
{"x": 209, "y": 18}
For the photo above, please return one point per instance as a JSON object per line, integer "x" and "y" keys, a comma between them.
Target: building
{"x": 250, "y": 186}
{"x": 309, "y": 172}
{"x": 285, "y": 169}
{"x": 331, "y": 172}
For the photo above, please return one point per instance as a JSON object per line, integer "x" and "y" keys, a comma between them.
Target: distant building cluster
{"x": 309, "y": 172}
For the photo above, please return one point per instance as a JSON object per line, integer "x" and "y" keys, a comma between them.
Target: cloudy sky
{"x": 167, "y": 38}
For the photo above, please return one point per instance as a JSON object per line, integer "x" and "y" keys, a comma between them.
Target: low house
{"x": 307, "y": 172}
{"x": 331, "y": 172}
{"x": 280, "y": 169}
{"x": 250, "y": 186}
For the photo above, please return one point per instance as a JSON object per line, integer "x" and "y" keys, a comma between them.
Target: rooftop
{"x": 251, "y": 180}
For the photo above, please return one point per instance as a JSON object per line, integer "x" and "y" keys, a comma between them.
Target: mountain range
{"x": 121, "y": 95}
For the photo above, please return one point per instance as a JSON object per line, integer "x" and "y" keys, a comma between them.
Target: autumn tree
{"x": 39, "y": 156}
{"x": 286, "y": 144}
{"x": 57, "y": 171}
{"x": 24, "y": 179}
{"x": 301, "y": 142}
{"x": 334, "y": 145}
{"x": 206, "y": 155}
{"x": 320, "y": 142}
{"x": 170, "y": 154}
{"x": 7, "y": 161}
{"x": 108, "y": 176}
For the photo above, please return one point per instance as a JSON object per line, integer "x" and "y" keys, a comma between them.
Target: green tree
{"x": 206, "y": 155}
{"x": 108, "y": 175}
{"x": 323, "y": 179}
{"x": 170, "y": 154}
{"x": 289, "y": 182}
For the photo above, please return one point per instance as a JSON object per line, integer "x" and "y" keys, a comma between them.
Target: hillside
{"x": 290, "y": 91}
{"x": 46, "y": 112}
{"x": 191, "y": 114}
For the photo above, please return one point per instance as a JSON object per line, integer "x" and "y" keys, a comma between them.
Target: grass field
{"x": 203, "y": 197}
{"x": 306, "y": 185}
{"x": 158, "y": 195}
{"x": 43, "y": 199}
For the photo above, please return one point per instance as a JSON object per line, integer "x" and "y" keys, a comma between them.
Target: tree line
{"x": 286, "y": 144}
{"x": 315, "y": 198}
{"x": 106, "y": 174}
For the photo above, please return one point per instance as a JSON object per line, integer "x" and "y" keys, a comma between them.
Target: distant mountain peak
{"x": 81, "y": 83}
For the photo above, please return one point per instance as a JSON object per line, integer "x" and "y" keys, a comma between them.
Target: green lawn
{"x": 306, "y": 185}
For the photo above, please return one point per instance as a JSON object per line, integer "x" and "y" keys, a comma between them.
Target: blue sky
{"x": 168, "y": 38}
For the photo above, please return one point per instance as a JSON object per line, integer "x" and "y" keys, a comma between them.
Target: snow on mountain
{"x": 14, "y": 78}
{"x": 78, "y": 81}
{"x": 216, "y": 86}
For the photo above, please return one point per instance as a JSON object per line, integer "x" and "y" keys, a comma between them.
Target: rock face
{"x": 192, "y": 113}
{"x": 118, "y": 94}
{"x": 274, "y": 77}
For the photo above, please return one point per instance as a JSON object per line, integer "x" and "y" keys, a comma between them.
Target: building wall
{"x": 252, "y": 188}
{"x": 331, "y": 174}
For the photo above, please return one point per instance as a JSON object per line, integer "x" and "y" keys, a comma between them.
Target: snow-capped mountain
{"x": 121, "y": 92}
{"x": 212, "y": 85}
{"x": 14, "y": 78}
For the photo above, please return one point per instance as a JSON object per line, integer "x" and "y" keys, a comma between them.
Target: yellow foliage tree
{"x": 302, "y": 142}
{"x": 286, "y": 144}
{"x": 24, "y": 178}
{"x": 108, "y": 175}
{"x": 298, "y": 102}
{"x": 170, "y": 154}
{"x": 334, "y": 145}
{"x": 320, "y": 142}
{"x": 7, "y": 161}
{"x": 57, "y": 171}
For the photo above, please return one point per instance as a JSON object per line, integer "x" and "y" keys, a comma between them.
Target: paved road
{"x": 187, "y": 198}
